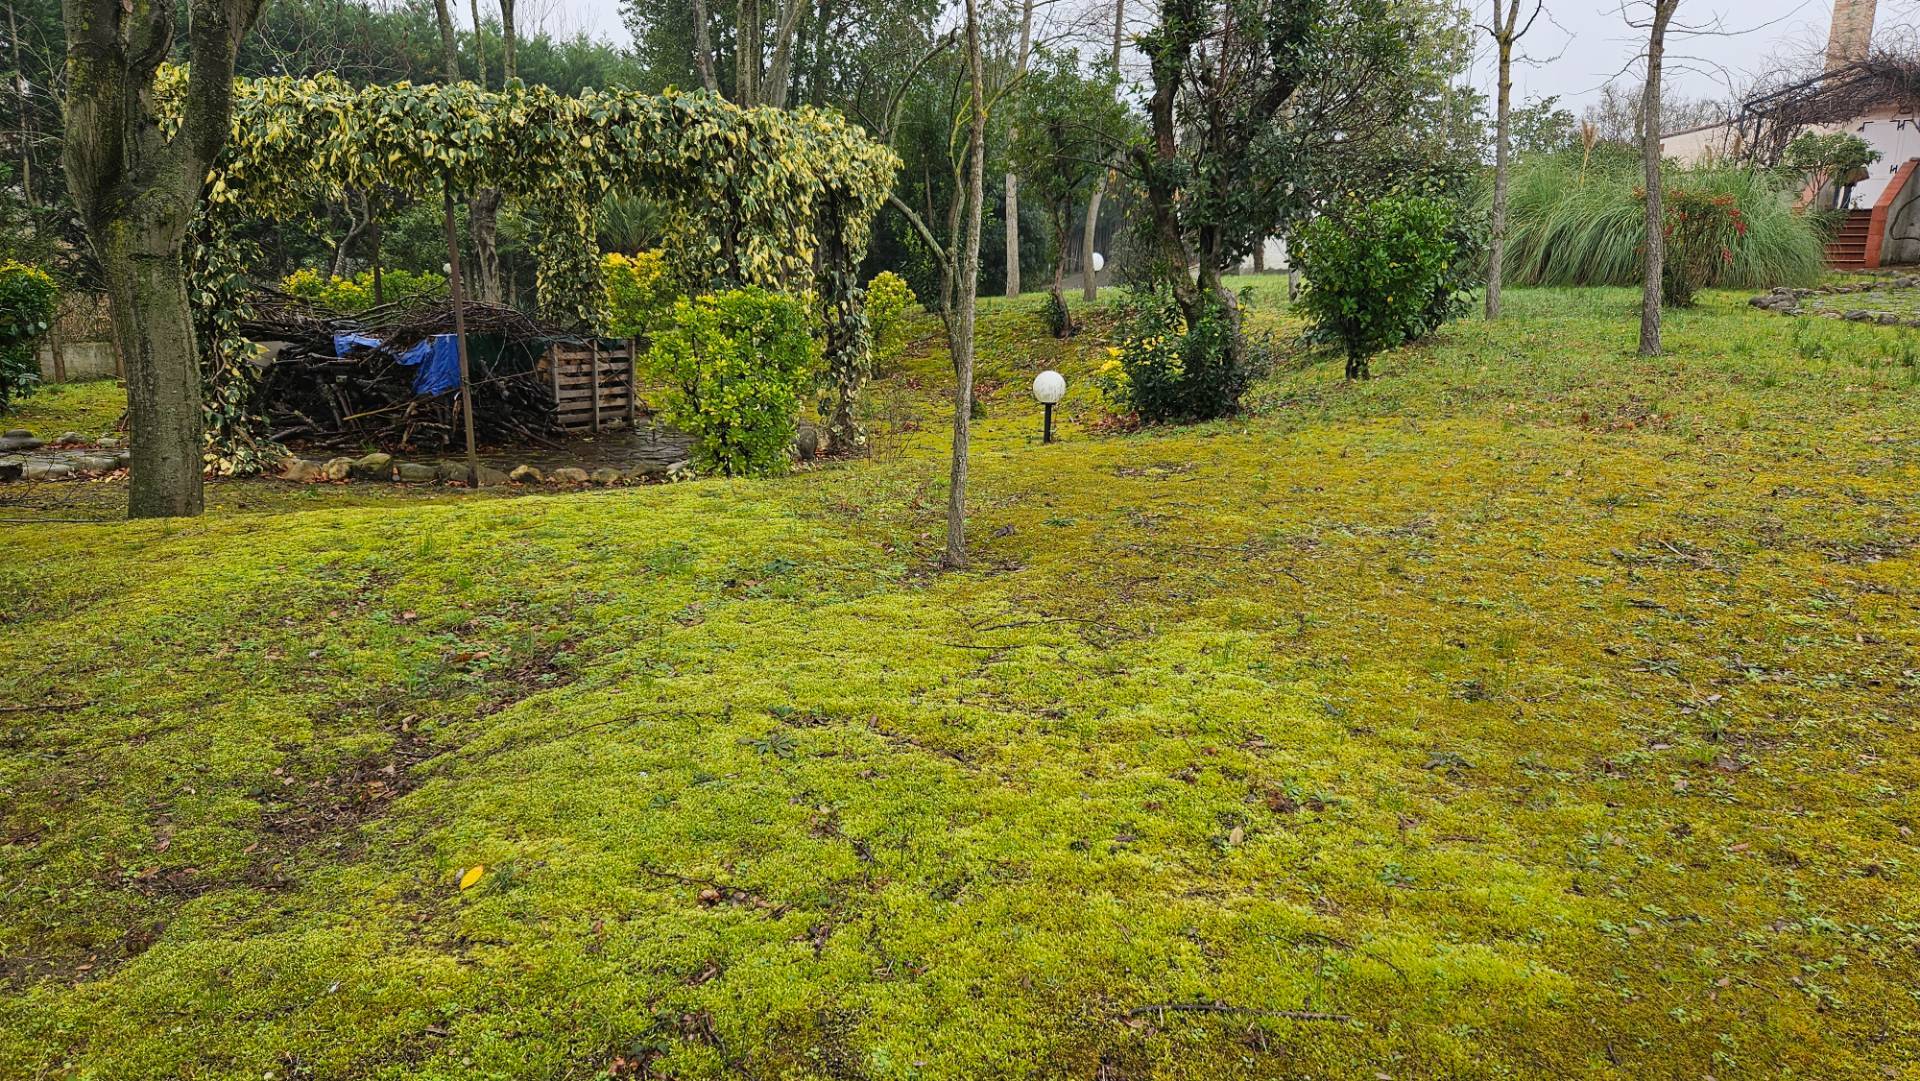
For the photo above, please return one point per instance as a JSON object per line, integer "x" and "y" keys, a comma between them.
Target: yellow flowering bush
{"x": 735, "y": 365}
{"x": 639, "y": 294}
{"x": 888, "y": 296}
{"x": 1164, "y": 370}
{"x": 351, "y": 296}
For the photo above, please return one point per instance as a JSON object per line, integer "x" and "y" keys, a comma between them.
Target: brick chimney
{"x": 1851, "y": 34}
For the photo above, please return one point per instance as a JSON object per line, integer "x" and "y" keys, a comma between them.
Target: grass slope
{"x": 1533, "y": 710}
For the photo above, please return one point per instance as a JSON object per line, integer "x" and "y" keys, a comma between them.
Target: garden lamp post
{"x": 1048, "y": 388}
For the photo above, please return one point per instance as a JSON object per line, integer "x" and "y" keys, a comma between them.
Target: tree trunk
{"x": 703, "y": 48}
{"x": 483, "y": 205}
{"x": 146, "y": 279}
{"x": 483, "y": 222}
{"x": 509, "y": 43}
{"x": 965, "y": 288}
{"x": 1090, "y": 278}
{"x": 449, "y": 53}
{"x": 479, "y": 46}
{"x": 1058, "y": 287}
{"x": 1013, "y": 182}
{"x": 26, "y": 106}
{"x": 135, "y": 192}
{"x": 1502, "y": 139}
{"x": 746, "y": 52}
{"x": 1656, "y": 239}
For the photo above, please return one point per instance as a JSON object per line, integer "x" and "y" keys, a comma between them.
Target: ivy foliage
{"x": 27, "y": 298}
{"x": 735, "y": 364}
{"x": 751, "y": 196}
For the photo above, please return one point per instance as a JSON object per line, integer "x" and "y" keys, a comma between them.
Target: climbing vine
{"x": 780, "y": 199}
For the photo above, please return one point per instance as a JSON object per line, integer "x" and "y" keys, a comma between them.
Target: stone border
{"x": 380, "y": 467}
{"x": 1786, "y": 301}
{"x": 68, "y": 456}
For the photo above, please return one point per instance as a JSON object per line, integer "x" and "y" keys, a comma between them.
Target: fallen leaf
{"x": 472, "y": 876}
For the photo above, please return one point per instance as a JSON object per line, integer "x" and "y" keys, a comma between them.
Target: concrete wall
{"x": 1901, "y": 247}
{"x": 82, "y": 360}
{"x": 1699, "y": 144}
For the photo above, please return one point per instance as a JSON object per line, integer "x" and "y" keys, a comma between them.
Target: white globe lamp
{"x": 1048, "y": 388}
{"x": 1099, "y": 262}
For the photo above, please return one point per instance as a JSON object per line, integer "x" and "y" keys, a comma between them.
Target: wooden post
{"x": 459, "y": 328}
{"x": 633, "y": 383}
{"x": 56, "y": 345}
{"x": 553, "y": 372}
{"x": 596, "y": 386}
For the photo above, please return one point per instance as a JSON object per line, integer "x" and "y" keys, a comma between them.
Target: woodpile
{"x": 313, "y": 397}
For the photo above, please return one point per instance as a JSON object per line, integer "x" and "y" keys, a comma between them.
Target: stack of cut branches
{"x": 312, "y": 397}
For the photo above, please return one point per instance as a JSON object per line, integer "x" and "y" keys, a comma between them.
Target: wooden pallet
{"x": 592, "y": 383}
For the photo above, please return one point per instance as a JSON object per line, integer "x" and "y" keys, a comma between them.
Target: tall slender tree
{"x": 1656, "y": 236}
{"x": 136, "y": 188}
{"x": 1506, "y": 30}
{"x": 483, "y": 206}
{"x": 1013, "y": 181}
{"x": 1089, "y": 278}
{"x": 966, "y": 289}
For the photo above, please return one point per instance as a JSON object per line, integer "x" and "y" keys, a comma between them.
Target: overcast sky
{"x": 1577, "y": 45}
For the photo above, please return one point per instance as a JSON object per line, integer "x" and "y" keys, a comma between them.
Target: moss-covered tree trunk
{"x": 136, "y": 187}
{"x": 1655, "y": 248}
{"x": 146, "y": 277}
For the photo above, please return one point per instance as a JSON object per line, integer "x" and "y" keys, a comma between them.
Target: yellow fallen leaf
{"x": 473, "y": 875}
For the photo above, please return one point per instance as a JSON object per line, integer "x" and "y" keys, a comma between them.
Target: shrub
{"x": 1170, "y": 371}
{"x": 1372, "y": 271}
{"x": 27, "y": 297}
{"x": 1832, "y": 157}
{"x": 1569, "y": 228}
{"x": 735, "y": 365}
{"x": 1700, "y": 228}
{"x": 351, "y": 296}
{"x": 888, "y": 296}
{"x": 639, "y": 294}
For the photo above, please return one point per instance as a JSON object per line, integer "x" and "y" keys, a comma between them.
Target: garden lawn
{"x": 50, "y": 410}
{"x": 1533, "y": 710}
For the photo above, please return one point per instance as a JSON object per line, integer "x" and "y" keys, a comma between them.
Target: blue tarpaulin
{"x": 435, "y": 360}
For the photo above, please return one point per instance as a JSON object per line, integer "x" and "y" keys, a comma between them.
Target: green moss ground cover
{"x": 91, "y": 408}
{"x": 1534, "y": 710}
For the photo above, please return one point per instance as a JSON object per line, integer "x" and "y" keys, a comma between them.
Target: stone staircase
{"x": 1848, "y": 248}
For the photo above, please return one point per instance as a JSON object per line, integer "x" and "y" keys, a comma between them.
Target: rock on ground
{"x": 416, "y": 472}
{"x": 527, "y": 474}
{"x": 375, "y": 466}
{"x": 568, "y": 475}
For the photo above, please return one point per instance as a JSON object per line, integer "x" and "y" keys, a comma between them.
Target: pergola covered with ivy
{"x": 783, "y": 199}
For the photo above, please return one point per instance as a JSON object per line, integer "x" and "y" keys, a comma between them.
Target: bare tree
{"x": 966, "y": 288}
{"x": 760, "y": 77}
{"x": 1505, "y": 31}
{"x": 1013, "y": 182}
{"x": 1656, "y": 239}
{"x": 136, "y": 188}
